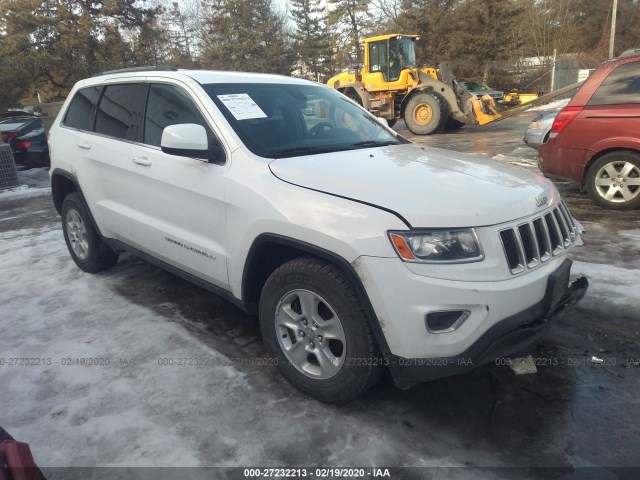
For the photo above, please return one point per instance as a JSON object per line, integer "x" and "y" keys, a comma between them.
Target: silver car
{"x": 538, "y": 130}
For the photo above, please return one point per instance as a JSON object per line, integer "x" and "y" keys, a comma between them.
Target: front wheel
{"x": 613, "y": 181}
{"x": 426, "y": 113}
{"x": 313, "y": 322}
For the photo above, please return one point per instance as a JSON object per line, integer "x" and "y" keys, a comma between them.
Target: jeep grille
{"x": 534, "y": 242}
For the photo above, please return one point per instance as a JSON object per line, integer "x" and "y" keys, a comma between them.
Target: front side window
{"x": 620, "y": 87}
{"x": 116, "y": 115}
{"x": 80, "y": 113}
{"x": 286, "y": 120}
{"x": 168, "y": 105}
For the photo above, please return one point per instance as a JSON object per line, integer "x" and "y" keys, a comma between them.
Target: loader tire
{"x": 426, "y": 113}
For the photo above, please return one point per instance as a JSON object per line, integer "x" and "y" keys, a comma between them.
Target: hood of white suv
{"x": 428, "y": 187}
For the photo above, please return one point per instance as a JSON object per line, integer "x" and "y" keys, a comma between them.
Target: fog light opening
{"x": 445, "y": 321}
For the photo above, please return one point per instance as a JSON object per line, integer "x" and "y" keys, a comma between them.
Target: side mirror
{"x": 186, "y": 140}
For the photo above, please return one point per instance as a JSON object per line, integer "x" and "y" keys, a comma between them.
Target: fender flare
{"x": 323, "y": 254}
{"x": 69, "y": 176}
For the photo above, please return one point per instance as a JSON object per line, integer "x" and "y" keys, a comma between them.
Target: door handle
{"x": 142, "y": 161}
{"x": 84, "y": 145}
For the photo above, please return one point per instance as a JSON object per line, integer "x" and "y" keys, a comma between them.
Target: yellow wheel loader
{"x": 391, "y": 86}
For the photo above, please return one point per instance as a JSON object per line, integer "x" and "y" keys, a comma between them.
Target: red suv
{"x": 595, "y": 139}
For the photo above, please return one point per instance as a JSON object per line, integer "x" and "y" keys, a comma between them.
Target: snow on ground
{"x": 33, "y": 182}
{"x": 520, "y": 160}
{"x": 71, "y": 413}
{"x": 130, "y": 410}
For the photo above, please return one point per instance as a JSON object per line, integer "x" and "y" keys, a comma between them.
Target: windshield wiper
{"x": 373, "y": 143}
{"x": 304, "y": 150}
{"x": 294, "y": 151}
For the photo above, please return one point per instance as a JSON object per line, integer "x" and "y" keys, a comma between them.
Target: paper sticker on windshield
{"x": 242, "y": 106}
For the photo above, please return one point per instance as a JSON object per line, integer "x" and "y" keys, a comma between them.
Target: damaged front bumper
{"x": 506, "y": 337}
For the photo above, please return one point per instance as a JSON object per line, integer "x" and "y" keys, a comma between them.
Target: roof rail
{"x": 137, "y": 69}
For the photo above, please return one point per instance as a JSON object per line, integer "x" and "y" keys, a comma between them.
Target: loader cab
{"x": 385, "y": 58}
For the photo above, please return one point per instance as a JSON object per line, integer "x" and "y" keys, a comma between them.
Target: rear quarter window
{"x": 622, "y": 86}
{"x": 80, "y": 113}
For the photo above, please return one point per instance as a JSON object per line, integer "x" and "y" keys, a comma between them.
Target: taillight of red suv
{"x": 564, "y": 118}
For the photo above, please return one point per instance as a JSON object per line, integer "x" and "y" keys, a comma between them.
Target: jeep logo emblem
{"x": 540, "y": 201}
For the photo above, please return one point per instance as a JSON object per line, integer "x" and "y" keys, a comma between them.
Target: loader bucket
{"x": 484, "y": 110}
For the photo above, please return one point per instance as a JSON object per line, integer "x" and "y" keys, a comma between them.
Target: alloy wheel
{"x": 310, "y": 334}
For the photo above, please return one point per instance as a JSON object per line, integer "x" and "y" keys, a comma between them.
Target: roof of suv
{"x": 201, "y": 76}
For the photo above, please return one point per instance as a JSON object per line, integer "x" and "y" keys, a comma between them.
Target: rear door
{"x": 180, "y": 213}
{"x": 104, "y": 148}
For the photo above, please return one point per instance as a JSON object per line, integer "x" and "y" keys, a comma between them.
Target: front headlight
{"x": 441, "y": 245}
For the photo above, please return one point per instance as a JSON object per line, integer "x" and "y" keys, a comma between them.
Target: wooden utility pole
{"x": 553, "y": 71}
{"x": 612, "y": 37}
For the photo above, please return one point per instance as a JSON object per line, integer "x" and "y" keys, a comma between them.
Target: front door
{"x": 180, "y": 213}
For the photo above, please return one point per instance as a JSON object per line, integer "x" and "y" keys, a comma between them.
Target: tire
{"x": 453, "y": 124}
{"x": 392, "y": 122}
{"x": 426, "y": 113}
{"x": 316, "y": 301}
{"x": 613, "y": 180}
{"x": 86, "y": 247}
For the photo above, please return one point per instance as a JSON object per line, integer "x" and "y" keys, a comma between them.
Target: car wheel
{"x": 86, "y": 247}
{"x": 426, "y": 113}
{"x": 314, "y": 323}
{"x": 613, "y": 180}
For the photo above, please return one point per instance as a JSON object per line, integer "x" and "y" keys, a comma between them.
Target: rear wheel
{"x": 313, "y": 322}
{"x": 86, "y": 247}
{"x": 426, "y": 113}
{"x": 613, "y": 181}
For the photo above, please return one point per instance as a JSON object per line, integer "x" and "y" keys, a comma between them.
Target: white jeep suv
{"x": 359, "y": 250}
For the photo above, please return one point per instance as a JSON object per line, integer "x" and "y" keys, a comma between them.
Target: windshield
{"x": 475, "y": 87}
{"x": 405, "y": 49}
{"x": 285, "y": 120}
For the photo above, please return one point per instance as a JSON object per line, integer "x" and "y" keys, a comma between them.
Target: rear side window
{"x": 620, "y": 87}
{"x": 82, "y": 106}
{"x": 116, "y": 112}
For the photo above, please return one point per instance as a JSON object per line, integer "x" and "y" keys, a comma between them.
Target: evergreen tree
{"x": 59, "y": 42}
{"x": 350, "y": 19}
{"x": 310, "y": 39}
{"x": 245, "y": 36}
